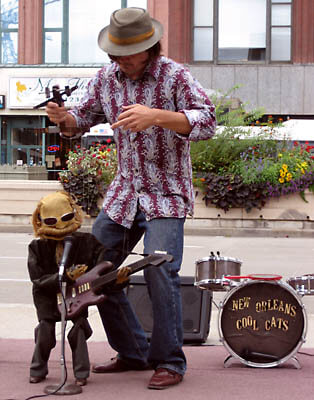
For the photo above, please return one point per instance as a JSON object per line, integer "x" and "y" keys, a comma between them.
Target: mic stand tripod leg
{"x": 63, "y": 388}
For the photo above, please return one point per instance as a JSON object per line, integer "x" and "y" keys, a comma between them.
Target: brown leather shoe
{"x": 163, "y": 378}
{"x": 81, "y": 381}
{"x": 115, "y": 365}
{"x": 36, "y": 379}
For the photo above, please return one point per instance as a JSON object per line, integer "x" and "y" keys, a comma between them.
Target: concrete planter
{"x": 25, "y": 172}
{"x": 287, "y": 215}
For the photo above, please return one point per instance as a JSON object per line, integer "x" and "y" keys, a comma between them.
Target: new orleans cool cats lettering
{"x": 278, "y": 313}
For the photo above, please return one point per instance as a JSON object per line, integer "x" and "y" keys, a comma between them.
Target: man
{"x": 155, "y": 108}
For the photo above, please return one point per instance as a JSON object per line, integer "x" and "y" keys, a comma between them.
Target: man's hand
{"x": 135, "y": 118}
{"x": 61, "y": 117}
{"x": 138, "y": 118}
{"x": 55, "y": 113}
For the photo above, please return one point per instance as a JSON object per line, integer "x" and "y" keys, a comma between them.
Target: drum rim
{"x": 283, "y": 359}
{"x": 300, "y": 278}
{"x": 218, "y": 258}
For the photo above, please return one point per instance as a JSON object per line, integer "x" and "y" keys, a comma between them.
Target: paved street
{"x": 289, "y": 257}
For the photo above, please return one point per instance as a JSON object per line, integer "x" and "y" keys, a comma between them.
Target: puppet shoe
{"x": 81, "y": 381}
{"x": 164, "y": 378}
{"x": 36, "y": 379}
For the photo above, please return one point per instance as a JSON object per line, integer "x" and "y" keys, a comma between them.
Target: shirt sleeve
{"x": 90, "y": 112}
{"x": 197, "y": 107}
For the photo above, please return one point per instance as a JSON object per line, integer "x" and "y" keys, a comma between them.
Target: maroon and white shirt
{"x": 154, "y": 166}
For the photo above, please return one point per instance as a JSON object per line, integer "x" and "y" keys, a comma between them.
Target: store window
{"x": 9, "y": 31}
{"x": 71, "y": 29}
{"x": 242, "y": 31}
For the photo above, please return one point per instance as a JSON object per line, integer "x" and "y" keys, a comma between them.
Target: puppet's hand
{"x": 76, "y": 271}
{"x": 123, "y": 275}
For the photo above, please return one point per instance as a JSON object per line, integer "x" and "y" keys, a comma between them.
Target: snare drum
{"x": 262, "y": 323}
{"x": 304, "y": 285}
{"x": 210, "y": 272}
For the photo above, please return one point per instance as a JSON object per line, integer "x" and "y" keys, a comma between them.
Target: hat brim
{"x": 126, "y": 50}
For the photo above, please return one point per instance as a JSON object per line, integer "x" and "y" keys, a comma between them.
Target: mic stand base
{"x": 67, "y": 389}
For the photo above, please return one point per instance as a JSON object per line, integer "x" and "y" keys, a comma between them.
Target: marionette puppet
{"x": 57, "y": 216}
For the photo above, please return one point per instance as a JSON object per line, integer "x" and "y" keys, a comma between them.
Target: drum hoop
{"x": 218, "y": 258}
{"x": 285, "y": 358}
{"x": 301, "y": 278}
{"x": 256, "y": 277}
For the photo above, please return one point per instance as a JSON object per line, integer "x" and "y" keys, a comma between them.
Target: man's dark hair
{"x": 153, "y": 52}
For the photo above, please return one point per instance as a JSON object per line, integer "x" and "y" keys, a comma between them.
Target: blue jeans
{"x": 122, "y": 327}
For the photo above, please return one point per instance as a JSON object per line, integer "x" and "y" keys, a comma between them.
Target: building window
{"x": 280, "y": 30}
{"x": 9, "y": 31}
{"x": 242, "y": 31}
{"x": 71, "y": 29}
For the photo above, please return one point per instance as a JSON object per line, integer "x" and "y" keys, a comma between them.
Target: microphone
{"x": 68, "y": 241}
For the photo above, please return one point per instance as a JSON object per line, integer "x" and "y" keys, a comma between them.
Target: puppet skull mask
{"x": 56, "y": 216}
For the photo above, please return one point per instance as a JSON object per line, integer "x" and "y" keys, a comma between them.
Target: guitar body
{"x": 80, "y": 294}
{"x": 86, "y": 289}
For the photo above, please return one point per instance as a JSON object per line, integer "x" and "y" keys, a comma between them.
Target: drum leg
{"x": 295, "y": 362}
{"x": 229, "y": 361}
{"x": 217, "y": 306}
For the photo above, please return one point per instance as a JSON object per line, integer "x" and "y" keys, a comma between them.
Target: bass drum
{"x": 262, "y": 323}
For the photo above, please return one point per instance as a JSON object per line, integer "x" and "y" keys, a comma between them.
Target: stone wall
{"x": 288, "y": 215}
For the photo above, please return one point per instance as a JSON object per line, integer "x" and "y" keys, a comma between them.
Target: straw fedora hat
{"x": 131, "y": 31}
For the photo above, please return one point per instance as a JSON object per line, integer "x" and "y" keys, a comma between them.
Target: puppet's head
{"x": 56, "y": 216}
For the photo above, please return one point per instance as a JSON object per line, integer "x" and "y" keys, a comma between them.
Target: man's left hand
{"x": 136, "y": 118}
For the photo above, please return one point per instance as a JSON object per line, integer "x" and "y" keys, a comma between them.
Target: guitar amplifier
{"x": 196, "y": 308}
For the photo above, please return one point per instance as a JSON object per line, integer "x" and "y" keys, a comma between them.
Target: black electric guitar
{"x": 85, "y": 291}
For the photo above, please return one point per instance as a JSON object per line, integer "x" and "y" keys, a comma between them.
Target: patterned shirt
{"x": 154, "y": 166}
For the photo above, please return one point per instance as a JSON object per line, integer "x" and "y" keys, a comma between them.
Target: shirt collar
{"x": 150, "y": 70}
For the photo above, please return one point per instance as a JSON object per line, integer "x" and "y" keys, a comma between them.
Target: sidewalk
{"x": 206, "y": 376}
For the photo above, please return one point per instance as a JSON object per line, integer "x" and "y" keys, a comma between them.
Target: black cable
{"x": 305, "y": 354}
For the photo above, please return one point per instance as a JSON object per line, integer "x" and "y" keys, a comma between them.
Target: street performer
{"x": 155, "y": 108}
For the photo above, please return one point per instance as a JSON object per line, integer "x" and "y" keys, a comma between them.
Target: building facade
{"x": 260, "y": 51}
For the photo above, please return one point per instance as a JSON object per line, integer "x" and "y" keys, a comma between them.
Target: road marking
{"x": 13, "y": 280}
{"x": 13, "y": 258}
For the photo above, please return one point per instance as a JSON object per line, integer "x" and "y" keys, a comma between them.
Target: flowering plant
{"x": 265, "y": 168}
{"x": 245, "y": 164}
{"x": 89, "y": 173}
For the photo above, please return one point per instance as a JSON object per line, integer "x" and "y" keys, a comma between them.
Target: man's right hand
{"x": 55, "y": 113}
{"x": 61, "y": 117}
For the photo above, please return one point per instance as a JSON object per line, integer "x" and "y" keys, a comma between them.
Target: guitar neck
{"x": 153, "y": 259}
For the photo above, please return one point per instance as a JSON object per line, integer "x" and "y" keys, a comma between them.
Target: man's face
{"x": 133, "y": 65}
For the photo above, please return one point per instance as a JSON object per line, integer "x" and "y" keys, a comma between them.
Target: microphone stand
{"x": 63, "y": 388}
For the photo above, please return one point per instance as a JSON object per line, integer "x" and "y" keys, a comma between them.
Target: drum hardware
{"x": 210, "y": 272}
{"x": 303, "y": 285}
{"x": 264, "y": 277}
{"x": 262, "y": 323}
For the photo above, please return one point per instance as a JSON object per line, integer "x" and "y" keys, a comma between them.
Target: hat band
{"x": 133, "y": 39}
